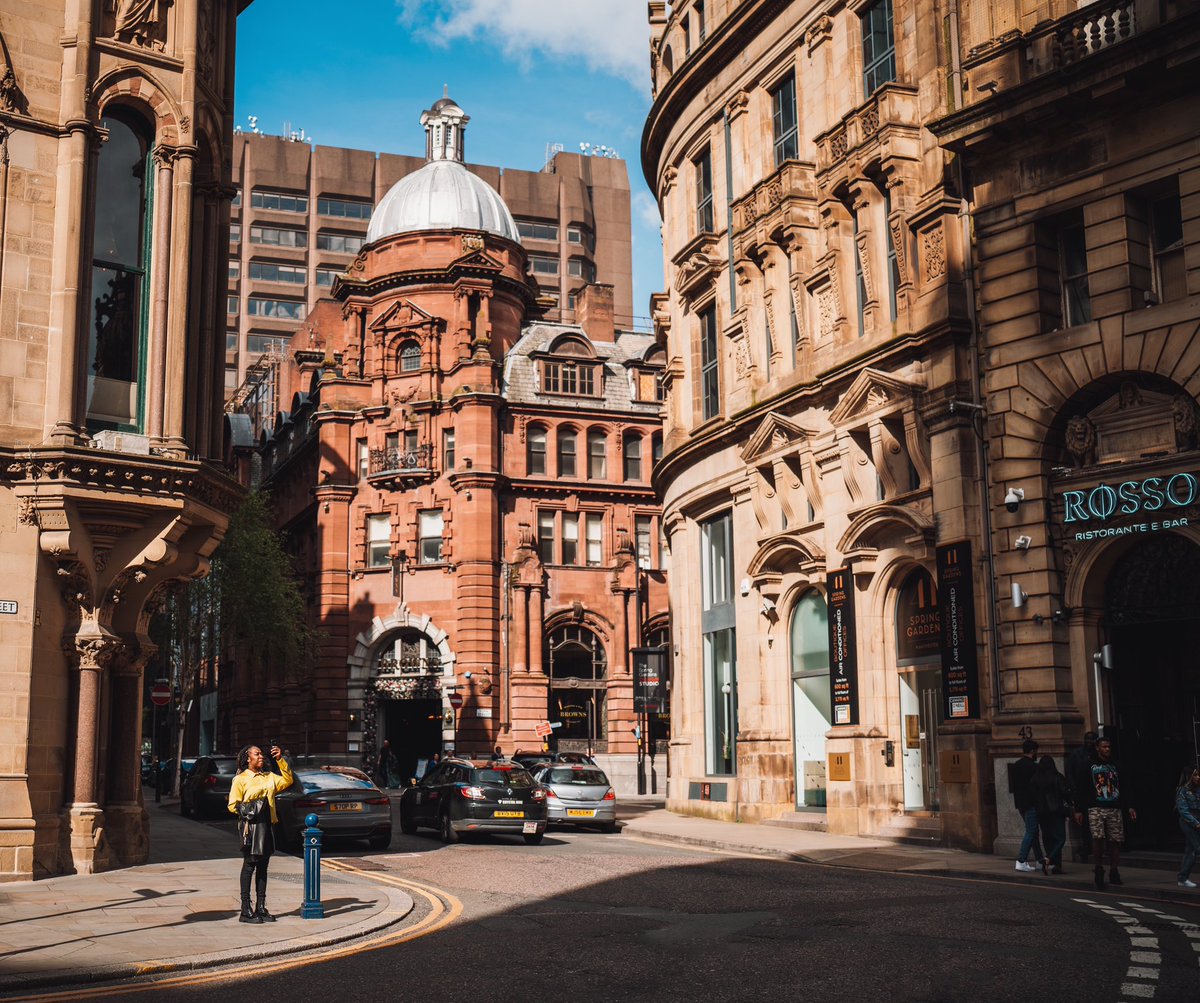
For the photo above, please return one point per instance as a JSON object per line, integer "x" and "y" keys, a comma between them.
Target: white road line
{"x": 1144, "y": 956}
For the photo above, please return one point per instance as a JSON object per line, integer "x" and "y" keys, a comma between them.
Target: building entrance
{"x": 1153, "y": 624}
{"x": 414, "y": 729}
{"x": 918, "y": 638}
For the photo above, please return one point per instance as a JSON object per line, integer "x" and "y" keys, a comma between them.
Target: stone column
{"x": 536, "y": 630}
{"x": 126, "y": 820}
{"x": 178, "y": 296}
{"x": 83, "y": 828}
{"x": 521, "y": 629}
{"x": 160, "y": 266}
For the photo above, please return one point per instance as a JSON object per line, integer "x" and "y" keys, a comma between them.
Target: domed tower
{"x": 429, "y": 309}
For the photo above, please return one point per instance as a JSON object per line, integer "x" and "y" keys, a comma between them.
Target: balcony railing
{"x": 394, "y": 460}
{"x": 1091, "y": 29}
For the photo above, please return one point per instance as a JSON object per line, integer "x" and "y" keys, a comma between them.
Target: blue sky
{"x": 528, "y": 72}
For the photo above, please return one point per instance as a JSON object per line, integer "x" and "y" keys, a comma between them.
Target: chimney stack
{"x": 594, "y": 312}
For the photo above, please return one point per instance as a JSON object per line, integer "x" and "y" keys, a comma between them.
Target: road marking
{"x": 444, "y": 909}
{"x": 1143, "y": 963}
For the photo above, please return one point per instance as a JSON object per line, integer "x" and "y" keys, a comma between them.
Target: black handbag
{"x": 250, "y": 814}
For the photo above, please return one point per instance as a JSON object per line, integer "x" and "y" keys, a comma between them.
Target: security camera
{"x": 466, "y": 675}
{"x": 1013, "y": 499}
{"x": 1018, "y": 596}
{"x": 768, "y": 606}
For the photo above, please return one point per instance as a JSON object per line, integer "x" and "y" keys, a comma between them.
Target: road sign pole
{"x": 154, "y": 754}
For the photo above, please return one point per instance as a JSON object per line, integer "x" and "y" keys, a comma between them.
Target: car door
{"x": 427, "y": 795}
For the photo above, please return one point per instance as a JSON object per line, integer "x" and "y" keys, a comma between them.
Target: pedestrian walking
{"x": 1104, "y": 805}
{"x": 252, "y": 800}
{"x": 1187, "y": 803}
{"x": 385, "y": 771}
{"x": 1021, "y": 776}
{"x": 1051, "y": 800}
{"x": 1078, "y": 769}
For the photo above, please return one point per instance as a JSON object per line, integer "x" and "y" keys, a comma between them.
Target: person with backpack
{"x": 1051, "y": 799}
{"x": 1187, "y": 803}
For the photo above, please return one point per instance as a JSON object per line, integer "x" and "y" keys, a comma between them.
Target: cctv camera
{"x": 1013, "y": 499}
{"x": 1018, "y": 596}
{"x": 466, "y": 675}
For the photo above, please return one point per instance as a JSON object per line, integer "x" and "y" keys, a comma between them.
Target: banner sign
{"x": 650, "y": 695}
{"x": 960, "y": 655}
{"x": 843, "y": 647}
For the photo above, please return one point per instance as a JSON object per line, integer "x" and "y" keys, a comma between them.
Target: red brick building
{"x": 467, "y": 491}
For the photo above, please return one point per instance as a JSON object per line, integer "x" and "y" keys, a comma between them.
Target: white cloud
{"x": 607, "y": 36}
{"x": 645, "y": 209}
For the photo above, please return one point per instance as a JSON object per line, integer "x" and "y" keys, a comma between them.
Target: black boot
{"x": 1114, "y": 877}
{"x": 248, "y": 915}
{"x": 1099, "y": 875}
{"x": 261, "y": 912}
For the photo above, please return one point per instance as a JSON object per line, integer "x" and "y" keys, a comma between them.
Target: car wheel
{"x": 609, "y": 827}
{"x": 408, "y": 825}
{"x": 533, "y": 838}
{"x": 380, "y": 841}
{"x": 448, "y": 833}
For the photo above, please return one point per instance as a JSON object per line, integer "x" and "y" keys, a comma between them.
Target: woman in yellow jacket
{"x": 252, "y": 799}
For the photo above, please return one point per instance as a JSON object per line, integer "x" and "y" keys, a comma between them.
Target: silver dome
{"x": 442, "y": 195}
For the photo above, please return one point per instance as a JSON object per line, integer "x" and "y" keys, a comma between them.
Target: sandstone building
{"x": 300, "y": 218}
{"x": 466, "y": 485}
{"x": 853, "y": 409}
{"x": 115, "y": 126}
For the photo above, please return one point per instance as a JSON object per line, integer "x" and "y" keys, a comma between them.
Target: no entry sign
{"x": 160, "y": 694}
{"x": 456, "y": 700}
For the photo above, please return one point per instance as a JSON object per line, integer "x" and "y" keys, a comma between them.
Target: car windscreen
{"x": 512, "y": 776}
{"x": 314, "y": 781}
{"x": 225, "y": 767}
{"x": 589, "y": 778}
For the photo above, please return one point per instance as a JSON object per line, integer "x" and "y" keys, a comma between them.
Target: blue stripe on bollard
{"x": 312, "y": 908}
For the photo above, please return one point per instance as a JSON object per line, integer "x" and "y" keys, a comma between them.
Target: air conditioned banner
{"x": 843, "y": 647}
{"x": 960, "y": 655}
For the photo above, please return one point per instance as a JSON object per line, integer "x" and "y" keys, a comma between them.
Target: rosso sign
{"x": 1130, "y": 497}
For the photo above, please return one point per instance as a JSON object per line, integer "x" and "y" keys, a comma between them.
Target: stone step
{"x": 913, "y": 829}
{"x": 808, "y": 820}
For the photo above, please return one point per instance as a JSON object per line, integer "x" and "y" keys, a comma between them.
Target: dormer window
{"x": 574, "y": 378}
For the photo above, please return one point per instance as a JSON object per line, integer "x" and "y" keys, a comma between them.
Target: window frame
{"x": 879, "y": 68}
{"x": 378, "y": 547}
{"x": 430, "y": 545}
{"x": 705, "y": 213}
{"x": 597, "y": 459}
{"x": 535, "y": 457}
{"x": 710, "y": 363}
{"x": 564, "y": 436}
{"x": 631, "y": 464}
{"x": 786, "y": 131}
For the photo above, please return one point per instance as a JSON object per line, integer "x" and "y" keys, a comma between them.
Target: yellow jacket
{"x": 249, "y": 786}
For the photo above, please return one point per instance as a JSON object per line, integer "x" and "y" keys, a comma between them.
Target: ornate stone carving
{"x": 864, "y": 266}
{"x": 1081, "y": 440}
{"x": 1187, "y": 422}
{"x": 142, "y": 22}
{"x": 737, "y": 104}
{"x": 96, "y": 652}
{"x": 827, "y": 309}
{"x": 472, "y": 242}
{"x": 868, "y": 122}
{"x": 818, "y": 32}
{"x": 26, "y": 511}
{"x": 1130, "y": 395}
{"x": 897, "y": 227}
{"x": 670, "y": 176}
{"x": 933, "y": 252}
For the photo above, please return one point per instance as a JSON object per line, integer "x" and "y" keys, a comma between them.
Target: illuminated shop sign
{"x": 1155, "y": 499}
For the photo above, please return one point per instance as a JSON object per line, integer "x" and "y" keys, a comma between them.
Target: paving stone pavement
{"x": 177, "y": 912}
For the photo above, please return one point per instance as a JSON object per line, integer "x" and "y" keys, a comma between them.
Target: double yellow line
{"x": 444, "y": 909}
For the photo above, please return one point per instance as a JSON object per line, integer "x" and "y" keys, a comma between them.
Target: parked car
{"x": 344, "y": 805}
{"x": 462, "y": 796}
{"x": 205, "y": 792}
{"x": 166, "y": 771}
{"x": 578, "y": 795}
{"x": 531, "y": 760}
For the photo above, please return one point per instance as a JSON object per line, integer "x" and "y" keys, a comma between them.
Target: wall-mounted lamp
{"x": 1018, "y": 596}
{"x": 1013, "y": 498}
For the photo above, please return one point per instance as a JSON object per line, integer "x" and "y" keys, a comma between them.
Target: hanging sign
{"x": 960, "y": 655}
{"x": 843, "y": 648}
{"x": 649, "y": 680}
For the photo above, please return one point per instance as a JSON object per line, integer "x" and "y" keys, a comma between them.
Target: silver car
{"x": 578, "y": 795}
{"x": 344, "y": 806}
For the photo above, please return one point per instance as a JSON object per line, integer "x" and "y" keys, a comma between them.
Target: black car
{"x": 345, "y": 806}
{"x": 461, "y": 797}
{"x": 205, "y": 792}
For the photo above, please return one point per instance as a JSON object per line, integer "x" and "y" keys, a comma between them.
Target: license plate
{"x": 508, "y": 814}
{"x": 581, "y": 812}
{"x": 346, "y": 806}
{"x": 529, "y": 827}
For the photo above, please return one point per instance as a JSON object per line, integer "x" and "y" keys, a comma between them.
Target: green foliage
{"x": 262, "y": 611}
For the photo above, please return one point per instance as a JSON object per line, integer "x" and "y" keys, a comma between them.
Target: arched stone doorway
{"x": 1151, "y": 693}
{"x": 578, "y": 670}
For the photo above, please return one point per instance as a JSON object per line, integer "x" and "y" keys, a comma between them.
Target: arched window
{"x": 410, "y": 357}
{"x": 808, "y": 638}
{"x": 597, "y": 443}
{"x": 121, "y": 225}
{"x": 409, "y": 653}
{"x": 577, "y": 665}
{"x": 536, "y": 459}
{"x": 567, "y": 448}
{"x": 668, "y": 60}
{"x": 632, "y": 456}
{"x": 918, "y": 623}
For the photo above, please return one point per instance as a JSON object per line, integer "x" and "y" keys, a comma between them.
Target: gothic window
{"x": 410, "y": 357}
{"x": 121, "y": 226}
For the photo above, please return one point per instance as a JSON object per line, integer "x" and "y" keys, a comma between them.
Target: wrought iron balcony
{"x": 395, "y": 462}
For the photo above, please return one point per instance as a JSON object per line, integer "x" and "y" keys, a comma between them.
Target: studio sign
{"x": 1130, "y": 498}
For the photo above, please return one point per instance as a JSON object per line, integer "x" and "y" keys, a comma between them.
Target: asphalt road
{"x": 587, "y": 916}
